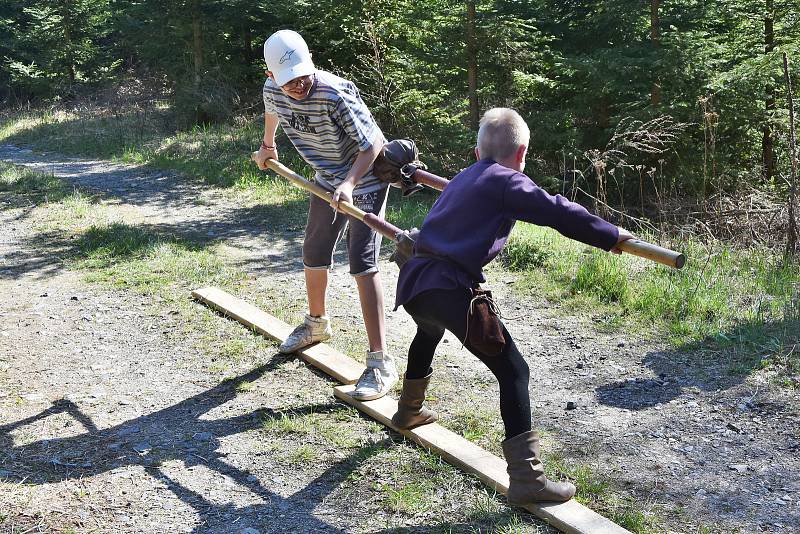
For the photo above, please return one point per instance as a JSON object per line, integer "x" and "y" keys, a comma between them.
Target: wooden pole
{"x": 386, "y": 229}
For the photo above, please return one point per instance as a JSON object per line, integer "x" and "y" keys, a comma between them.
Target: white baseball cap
{"x": 287, "y": 56}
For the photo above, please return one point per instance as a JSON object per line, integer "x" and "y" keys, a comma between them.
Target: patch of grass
{"x": 302, "y": 455}
{"x": 595, "y": 492}
{"x": 604, "y": 276}
{"x": 288, "y": 423}
{"x": 409, "y": 498}
{"x": 122, "y": 255}
{"x": 408, "y": 213}
{"x": 335, "y": 427}
{"x": 485, "y": 506}
{"x": 245, "y": 386}
{"x": 413, "y": 481}
{"x": 723, "y": 298}
{"x": 35, "y": 186}
{"x": 483, "y": 427}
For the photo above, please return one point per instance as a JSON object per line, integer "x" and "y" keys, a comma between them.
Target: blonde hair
{"x": 501, "y": 132}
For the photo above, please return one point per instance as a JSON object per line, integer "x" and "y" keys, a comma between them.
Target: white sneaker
{"x": 312, "y": 330}
{"x": 377, "y": 379}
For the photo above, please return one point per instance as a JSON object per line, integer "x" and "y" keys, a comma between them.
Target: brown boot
{"x": 410, "y": 412}
{"x": 527, "y": 482}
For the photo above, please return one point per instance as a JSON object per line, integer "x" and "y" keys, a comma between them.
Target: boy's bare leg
{"x": 381, "y": 373}
{"x": 370, "y": 293}
{"x": 316, "y": 290}
{"x": 316, "y": 326}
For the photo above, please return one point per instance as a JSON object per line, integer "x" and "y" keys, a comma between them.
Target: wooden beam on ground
{"x": 570, "y": 517}
{"x": 330, "y": 361}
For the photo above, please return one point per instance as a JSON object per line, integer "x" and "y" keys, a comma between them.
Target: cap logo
{"x": 287, "y": 56}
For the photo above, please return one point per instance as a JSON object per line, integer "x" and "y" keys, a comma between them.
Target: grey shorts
{"x": 323, "y": 233}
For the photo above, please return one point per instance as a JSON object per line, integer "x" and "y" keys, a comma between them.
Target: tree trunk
{"x": 197, "y": 41}
{"x": 767, "y": 143}
{"x": 472, "y": 67}
{"x": 655, "y": 39}
{"x": 66, "y": 20}
{"x": 247, "y": 42}
{"x": 791, "y": 238}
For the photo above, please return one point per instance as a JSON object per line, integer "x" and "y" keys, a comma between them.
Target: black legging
{"x": 438, "y": 309}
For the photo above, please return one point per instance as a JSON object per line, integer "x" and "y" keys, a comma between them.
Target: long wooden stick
{"x": 637, "y": 247}
{"x": 386, "y": 229}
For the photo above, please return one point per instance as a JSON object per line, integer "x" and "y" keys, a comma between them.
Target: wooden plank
{"x": 570, "y": 517}
{"x": 330, "y": 361}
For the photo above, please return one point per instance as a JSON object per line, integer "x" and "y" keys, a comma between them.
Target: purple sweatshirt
{"x": 470, "y": 222}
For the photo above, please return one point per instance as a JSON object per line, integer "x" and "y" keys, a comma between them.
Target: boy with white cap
{"x": 328, "y": 123}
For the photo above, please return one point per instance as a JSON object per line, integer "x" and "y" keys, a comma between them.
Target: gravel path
{"x": 112, "y": 418}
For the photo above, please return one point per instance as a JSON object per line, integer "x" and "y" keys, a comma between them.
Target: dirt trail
{"x": 143, "y": 438}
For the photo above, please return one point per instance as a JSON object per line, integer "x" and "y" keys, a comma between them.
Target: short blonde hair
{"x": 501, "y": 132}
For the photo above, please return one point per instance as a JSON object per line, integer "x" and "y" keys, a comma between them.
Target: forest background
{"x": 636, "y": 103}
{"x": 669, "y": 118}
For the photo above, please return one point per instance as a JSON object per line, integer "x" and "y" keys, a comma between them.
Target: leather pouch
{"x": 484, "y": 332}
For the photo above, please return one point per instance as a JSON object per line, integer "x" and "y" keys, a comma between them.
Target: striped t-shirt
{"x": 328, "y": 128}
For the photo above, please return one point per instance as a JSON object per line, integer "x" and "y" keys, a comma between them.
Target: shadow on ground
{"x": 150, "y": 440}
{"x": 45, "y": 254}
{"x": 708, "y": 365}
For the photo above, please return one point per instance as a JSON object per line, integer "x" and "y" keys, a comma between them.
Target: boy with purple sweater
{"x": 465, "y": 230}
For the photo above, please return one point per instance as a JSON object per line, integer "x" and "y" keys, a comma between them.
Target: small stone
{"x": 580, "y": 365}
{"x": 731, "y": 426}
{"x": 249, "y": 530}
{"x": 739, "y": 468}
{"x": 43, "y": 295}
{"x": 620, "y": 344}
{"x": 203, "y": 436}
{"x": 571, "y": 405}
{"x": 143, "y": 447}
{"x": 133, "y": 429}
{"x": 73, "y": 297}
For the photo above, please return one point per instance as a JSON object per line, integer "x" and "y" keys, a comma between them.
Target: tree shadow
{"x": 43, "y": 255}
{"x": 713, "y": 364}
{"x": 177, "y": 432}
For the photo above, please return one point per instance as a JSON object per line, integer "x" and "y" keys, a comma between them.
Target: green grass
{"x": 593, "y": 491}
{"x": 33, "y": 186}
{"x": 723, "y": 298}
{"x": 335, "y": 427}
{"x": 122, "y": 255}
{"x": 481, "y": 426}
{"x": 302, "y": 455}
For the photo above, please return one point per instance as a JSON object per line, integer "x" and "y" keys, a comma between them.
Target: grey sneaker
{"x": 377, "y": 379}
{"x": 313, "y": 330}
